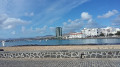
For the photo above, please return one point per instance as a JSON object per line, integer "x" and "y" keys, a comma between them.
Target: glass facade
{"x": 58, "y": 32}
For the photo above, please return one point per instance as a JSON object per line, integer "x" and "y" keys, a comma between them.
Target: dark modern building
{"x": 58, "y": 32}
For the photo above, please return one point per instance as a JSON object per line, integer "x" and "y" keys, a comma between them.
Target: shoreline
{"x": 94, "y": 38}
{"x": 66, "y": 44}
{"x": 62, "y": 38}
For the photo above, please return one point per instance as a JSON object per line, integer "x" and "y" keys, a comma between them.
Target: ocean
{"x": 114, "y": 41}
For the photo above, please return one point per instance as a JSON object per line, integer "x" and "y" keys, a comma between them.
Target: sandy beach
{"x": 74, "y": 47}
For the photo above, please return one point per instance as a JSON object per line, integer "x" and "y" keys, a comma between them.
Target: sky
{"x": 31, "y": 18}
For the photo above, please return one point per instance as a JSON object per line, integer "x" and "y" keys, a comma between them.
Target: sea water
{"x": 64, "y": 42}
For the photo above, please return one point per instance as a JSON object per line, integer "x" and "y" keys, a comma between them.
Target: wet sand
{"x": 73, "y": 47}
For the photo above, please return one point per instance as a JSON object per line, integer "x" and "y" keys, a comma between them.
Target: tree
{"x": 101, "y": 34}
{"x": 118, "y": 33}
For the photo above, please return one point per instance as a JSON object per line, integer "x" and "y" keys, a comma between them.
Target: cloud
{"x": 41, "y": 30}
{"x": 92, "y": 24}
{"x": 29, "y": 14}
{"x": 7, "y": 22}
{"x": 43, "y": 12}
{"x": 44, "y": 9}
{"x": 86, "y": 16}
{"x": 72, "y": 26}
{"x": 86, "y": 20}
{"x": 55, "y": 10}
{"x": 22, "y": 29}
{"x": 108, "y": 14}
{"x": 13, "y": 32}
{"x": 31, "y": 31}
{"x": 12, "y": 7}
{"x": 52, "y": 29}
{"x": 116, "y": 21}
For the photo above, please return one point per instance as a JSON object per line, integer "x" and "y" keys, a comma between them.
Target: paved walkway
{"x": 61, "y": 63}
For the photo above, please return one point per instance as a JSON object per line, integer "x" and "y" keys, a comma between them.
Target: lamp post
{"x": 3, "y": 43}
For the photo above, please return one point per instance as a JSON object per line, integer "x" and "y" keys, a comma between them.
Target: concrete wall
{"x": 63, "y": 54}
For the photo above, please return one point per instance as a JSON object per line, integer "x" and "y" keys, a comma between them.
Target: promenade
{"x": 60, "y": 63}
{"x": 61, "y": 56}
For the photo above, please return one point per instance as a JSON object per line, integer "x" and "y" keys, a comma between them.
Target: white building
{"x": 117, "y": 29}
{"x": 109, "y": 30}
{"x": 97, "y": 31}
{"x": 76, "y": 35}
{"x": 91, "y": 32}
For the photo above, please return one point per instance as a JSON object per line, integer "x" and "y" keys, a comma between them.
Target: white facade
{"x": 97, "y": 31}
{"x": 109, "y": 30}
{"x": 76, "y": 35}
{"x": 91, "y": 31}
{"x": 117, "y": 29}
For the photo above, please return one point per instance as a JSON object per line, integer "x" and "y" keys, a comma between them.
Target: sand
{"x": 74, "y": 47}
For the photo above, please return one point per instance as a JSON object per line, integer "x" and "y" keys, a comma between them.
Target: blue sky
{"x": 31, "y": 18}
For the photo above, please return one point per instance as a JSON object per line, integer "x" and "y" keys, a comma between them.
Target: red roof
{"x": 75, "y": 33}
